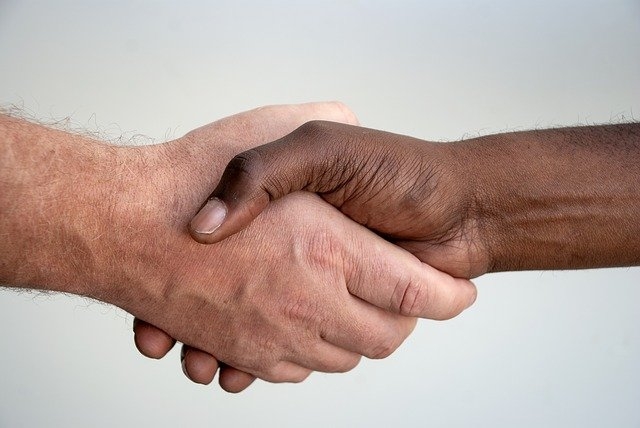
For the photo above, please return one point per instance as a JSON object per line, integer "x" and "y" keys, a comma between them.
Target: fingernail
{"x": 210, "y": 217}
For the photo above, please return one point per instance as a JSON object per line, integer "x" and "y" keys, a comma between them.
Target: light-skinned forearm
{"x": 50, "y": 191}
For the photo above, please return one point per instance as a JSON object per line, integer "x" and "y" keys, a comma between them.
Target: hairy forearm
{"x": 53, "y": 203}
{"x": 558, "y": 199}
{"x": 83, "y": 216}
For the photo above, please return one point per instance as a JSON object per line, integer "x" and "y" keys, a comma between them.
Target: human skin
{"x": 563, "y": 198}
{"x": 284, "y": 298}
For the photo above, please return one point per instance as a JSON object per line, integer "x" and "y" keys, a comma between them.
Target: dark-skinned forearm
{"x": 557, "y": 199}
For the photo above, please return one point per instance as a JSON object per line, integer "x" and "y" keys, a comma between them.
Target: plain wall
{"x": 553, "y": 349}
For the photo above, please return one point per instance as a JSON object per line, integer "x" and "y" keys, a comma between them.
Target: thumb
{"x": 391, "y": 278}
{"x": 299, "y": 161}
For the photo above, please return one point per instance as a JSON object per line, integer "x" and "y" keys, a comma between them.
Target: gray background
{"x": 538, "y": 348}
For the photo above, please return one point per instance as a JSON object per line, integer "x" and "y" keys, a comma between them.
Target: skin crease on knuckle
{"x": 322, "y": 249}
{"x": 384, "y": 345}
{"x": 327, "y": 141}
{"x": 246, "y": 167}
{"x": 410, "y": 298}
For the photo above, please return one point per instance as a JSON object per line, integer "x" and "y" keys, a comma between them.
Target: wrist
{"x": 501, "y": 174}
{"x": 557, "y": 199}
{"x": 482, "y": 169}
{"x": 141, "y": 200}
{"x": 463, "y": 242}
{"x": 157, "y": 191}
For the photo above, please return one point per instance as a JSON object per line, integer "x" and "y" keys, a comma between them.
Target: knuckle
{"x": 260, "y": 169}
{"x": 331, "y": 156}
{"x": 347, "y": 364}
{"x": 314, "y": 129}
{"x": 272, "y": 375}
{"x": 280, "y": 375}
{"x": 323, "y": 250}
{"x": 384, "y": 345}
{"x": 383, "y": 349}
{"x": 335, "y": 363}
{"x": 326, "y": 138}
{"x": 247, "y": 165}
{"x": 410, "y": 298}
{"x": 300, "y": 376}
{"x": 301, "y": 309}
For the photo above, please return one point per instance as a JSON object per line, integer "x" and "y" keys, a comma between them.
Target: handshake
{"x": 320, "y": 242}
